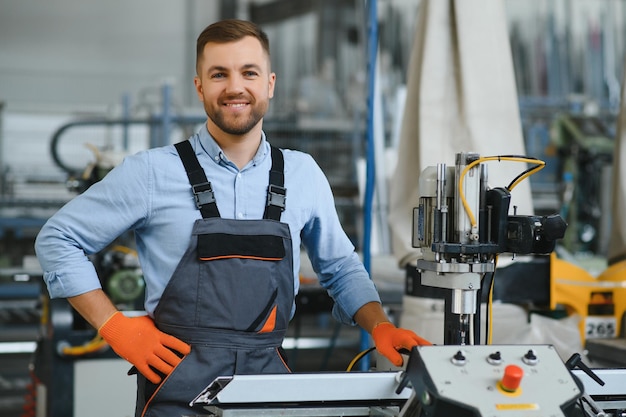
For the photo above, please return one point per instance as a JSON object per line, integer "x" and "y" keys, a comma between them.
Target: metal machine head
{"x": 461, "y": 225}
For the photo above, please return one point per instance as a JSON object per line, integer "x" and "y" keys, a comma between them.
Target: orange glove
{"x": 137, "y": 340}
{"x": 389, "y": 340}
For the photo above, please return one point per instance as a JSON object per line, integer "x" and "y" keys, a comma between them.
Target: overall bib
{"x": 230, "y": 296}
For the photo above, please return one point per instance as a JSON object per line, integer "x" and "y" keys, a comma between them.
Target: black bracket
{"x": 276, "y": 196}
{"x": 204, "y": 194}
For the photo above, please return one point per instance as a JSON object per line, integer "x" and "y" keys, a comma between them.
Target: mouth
{"x": 236, "y": 105}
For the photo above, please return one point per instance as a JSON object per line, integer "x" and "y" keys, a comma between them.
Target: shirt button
{"x": 240, "y": 215}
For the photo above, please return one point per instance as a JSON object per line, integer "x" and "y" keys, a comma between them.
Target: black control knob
{"x": 459, "y": 358}
{"x": 495, "y": 358}
{"x": 530, "y": 358}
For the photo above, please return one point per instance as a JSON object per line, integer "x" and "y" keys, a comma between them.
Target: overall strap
{"x": 276, "y": 192}
{"x": 202, "y": 191}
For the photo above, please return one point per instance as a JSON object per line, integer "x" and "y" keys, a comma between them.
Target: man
{"x": 220, "y": 302}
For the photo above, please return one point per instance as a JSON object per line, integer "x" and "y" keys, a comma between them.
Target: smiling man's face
{"x": 235, "y": 84}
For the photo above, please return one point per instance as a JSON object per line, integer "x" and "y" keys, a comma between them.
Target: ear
{"x": 198, "y": 84}
{"x": 272, "y": 84}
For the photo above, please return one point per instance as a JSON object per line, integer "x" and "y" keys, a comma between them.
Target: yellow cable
{"x": 526, "y": 175}
{"x": 96, "y": 344}
{"x": 124, "y": 249}
{"x": 468, "y": 210}
{"x": 358, "y": 357}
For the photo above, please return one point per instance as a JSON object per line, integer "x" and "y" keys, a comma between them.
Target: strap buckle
{"x": 204, "y": 194}
{"x": 277, "y": 196}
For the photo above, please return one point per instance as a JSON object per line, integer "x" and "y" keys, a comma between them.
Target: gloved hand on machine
{"x": 390, "y": 340}
{"x": 138, "y": 340}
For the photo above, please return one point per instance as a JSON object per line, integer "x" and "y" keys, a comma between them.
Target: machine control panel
{"x": 490, "y": 380}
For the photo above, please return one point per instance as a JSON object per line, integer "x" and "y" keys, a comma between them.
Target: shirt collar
{"x": 214, "y": 151}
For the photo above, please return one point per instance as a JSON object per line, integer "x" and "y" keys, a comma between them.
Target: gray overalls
{"x": 230, "y": 296}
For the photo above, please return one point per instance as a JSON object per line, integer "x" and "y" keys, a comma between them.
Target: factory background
{"x": 84, "y": 83}
{"x": 113, "y": 61}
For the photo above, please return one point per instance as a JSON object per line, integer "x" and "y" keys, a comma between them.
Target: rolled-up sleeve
{"x": 84, "y": 226}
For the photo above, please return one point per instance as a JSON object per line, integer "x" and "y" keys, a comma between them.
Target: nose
{"x": 235, "y": 84}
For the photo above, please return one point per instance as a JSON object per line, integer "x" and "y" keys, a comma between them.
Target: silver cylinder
{"x": 464, "y": 301}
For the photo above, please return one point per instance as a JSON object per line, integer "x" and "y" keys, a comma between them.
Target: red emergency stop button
{"x": 512, "y": 378}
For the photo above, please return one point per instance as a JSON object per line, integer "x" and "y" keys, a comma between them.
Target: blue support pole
{"x": 370, "y": 177}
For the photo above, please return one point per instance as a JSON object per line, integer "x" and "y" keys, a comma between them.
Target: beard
{"x": 237, "y": 124}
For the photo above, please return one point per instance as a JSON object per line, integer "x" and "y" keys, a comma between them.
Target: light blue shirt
{"x": 149, "y": 193}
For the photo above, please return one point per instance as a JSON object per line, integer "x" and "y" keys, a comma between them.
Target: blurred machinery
{"x": 20, "y": 327}
{"x": 585, "y": 149}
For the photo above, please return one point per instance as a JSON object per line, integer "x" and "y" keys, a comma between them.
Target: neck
{"x": 240, "y": 149}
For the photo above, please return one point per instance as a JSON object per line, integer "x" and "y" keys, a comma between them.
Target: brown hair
{"x": 230, "y": 30}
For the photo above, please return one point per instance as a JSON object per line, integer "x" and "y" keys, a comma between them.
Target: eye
{"x": 218, "y": 75}
{"x": 250, "y": 74}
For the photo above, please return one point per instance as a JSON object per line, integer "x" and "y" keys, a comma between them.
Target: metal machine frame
{"x": 461, "y": 225}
